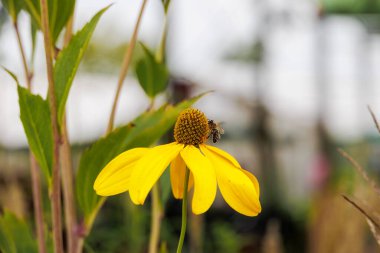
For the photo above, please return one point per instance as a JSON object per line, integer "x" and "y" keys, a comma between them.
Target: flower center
{"x": 191, "y": 127}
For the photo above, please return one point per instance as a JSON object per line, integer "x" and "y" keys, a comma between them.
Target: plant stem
{"x": 91, "y": 218}
{"x": 166, "y": 6}
{"x": 56, "y": 190}
{"x": 123, "y": 73}
{"x": 156, "y": 220}
{"x": 124, "y": 68}
{"x": 69, "y": 31}
{"x": 35, "y": 175}
{"x": 184, "y": 212}
{"x": 88, "y": 224}
{"x": 160, "y": 55}
{"x": 157, "y": 211}
{"x": 80, "y": 244}
{"x": 37, "y": 203}
{"x": 23, "y": 57}
{"x": 67, "y": 171}
{"x": 68, "y": 189}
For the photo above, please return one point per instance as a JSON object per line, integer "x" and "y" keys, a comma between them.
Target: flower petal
{"x": 253, "y": 180}
{"x": 232, "y": 160}
{"x": 236, "y": 186}
{"x": 222, "y": 153}
{"x": 204, "y": 178}
{"x": 115, "y": 176}
{"x": 149, "y": 168}
{"x": 177, "y": 177}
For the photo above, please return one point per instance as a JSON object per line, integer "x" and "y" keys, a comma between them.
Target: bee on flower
{"x": 138, "y": 169}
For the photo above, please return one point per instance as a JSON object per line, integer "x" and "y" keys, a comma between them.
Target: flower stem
{"x": 184, "y": 212}
{"x": 125, "y": 66}
{"x": 156, "y": 220}
{"x": 56, "y": 186}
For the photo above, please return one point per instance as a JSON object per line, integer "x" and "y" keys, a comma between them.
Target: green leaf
{"x": 32, "y": 7}
{"x": 14, "y": 77}
{"x": 59, "y": 13}
{"x": 35, "y": 117}
{"x": 68, "y": 61}
{"x": 15, "y": 235}
{"x": 13, "y": 7}
{"x": 152, "y": 75}
{"x": 92, "y": 161}
{"x": 141, "y": 132}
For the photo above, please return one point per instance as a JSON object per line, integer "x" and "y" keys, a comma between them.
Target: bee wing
{"x": 219, "y": 127}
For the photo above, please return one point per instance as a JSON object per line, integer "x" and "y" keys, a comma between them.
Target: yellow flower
{"x": 138, "y": 169}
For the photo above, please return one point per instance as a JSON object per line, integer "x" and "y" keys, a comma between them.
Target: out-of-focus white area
{"x": 201, "y": 35}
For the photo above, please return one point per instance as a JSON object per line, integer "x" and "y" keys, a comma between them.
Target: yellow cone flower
{"x": 138, "y": 169}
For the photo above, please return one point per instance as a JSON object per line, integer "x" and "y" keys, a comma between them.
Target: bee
{"x": 215, "y": 131}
